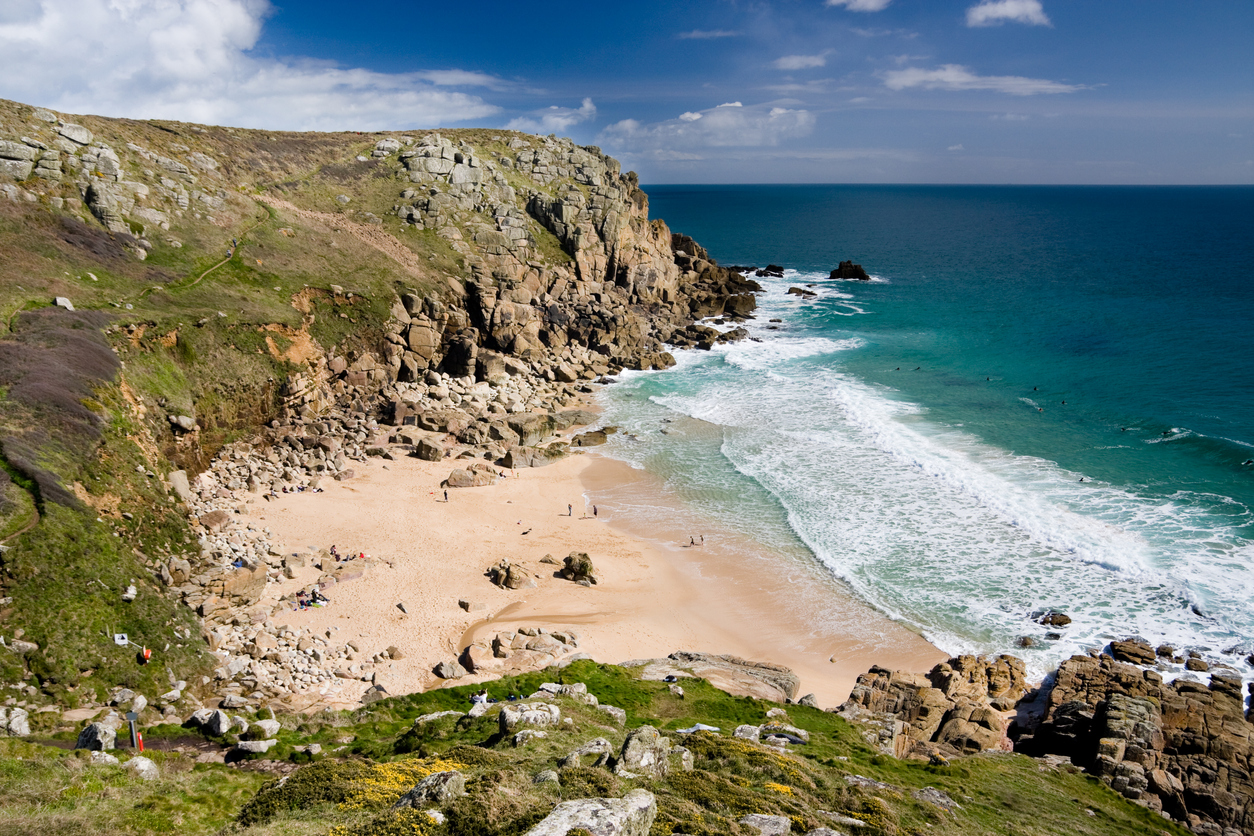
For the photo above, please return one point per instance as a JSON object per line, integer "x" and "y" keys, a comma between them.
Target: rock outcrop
{"x": 631, "y": 815}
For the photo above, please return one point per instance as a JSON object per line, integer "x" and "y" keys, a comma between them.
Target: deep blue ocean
{"x": 1042, "y": 401}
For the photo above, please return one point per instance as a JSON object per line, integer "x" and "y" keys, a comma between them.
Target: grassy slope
{"x": 373, "y": 756}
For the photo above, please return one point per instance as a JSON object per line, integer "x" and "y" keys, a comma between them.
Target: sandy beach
{"x": 654, "y": 595}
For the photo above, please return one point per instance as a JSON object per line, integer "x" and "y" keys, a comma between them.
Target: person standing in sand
{"x": 446, "y": 496}
{"x": 570, "y": 510}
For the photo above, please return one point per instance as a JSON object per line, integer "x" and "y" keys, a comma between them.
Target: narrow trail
{"x": 22, "y": 530}
{"x": 196, "y": 281}
{"x": 369, "y": 235}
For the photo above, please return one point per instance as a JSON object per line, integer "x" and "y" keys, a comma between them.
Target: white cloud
{"x": 958, "y": 77}
{"x": 997, "y": 12}
{"x": 860, "y": 5}
{"x": 707, "y": 34}
{"x": 1010, "y": 117}
{"x": 190, "y": 60}
{"x": 728, "y": 125}
{"x": 957, "y": 147}
{"x": 800, "y": 62}
{"x": 554, "y": 119}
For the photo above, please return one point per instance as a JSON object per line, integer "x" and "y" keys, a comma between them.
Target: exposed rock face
{"x": 1184, "y": 748}
{"x": 729, "y": 673}
{"x": 956, "y": 708}
{"x": 631, "y": 815}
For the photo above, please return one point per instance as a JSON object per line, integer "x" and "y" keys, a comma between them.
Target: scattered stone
{"x": 98, "y": 758}
{"x": 143, "y": 768}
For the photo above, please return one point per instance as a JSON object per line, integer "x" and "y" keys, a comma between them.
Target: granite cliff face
{"x": 1182, "y": 749}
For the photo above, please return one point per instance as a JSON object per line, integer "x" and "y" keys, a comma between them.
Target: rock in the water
{"x": 849, "y": 270}
{"x": 1133, "y": 650}
{"x": 143, "y": 767}
{"x": 439, "y": 788}
{"x": 96, "y": 737}
{"x": 631, "y": 815}
{"x": 768, "y": 825}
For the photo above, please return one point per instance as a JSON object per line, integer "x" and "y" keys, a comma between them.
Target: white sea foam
{"x": 932, "y": 526}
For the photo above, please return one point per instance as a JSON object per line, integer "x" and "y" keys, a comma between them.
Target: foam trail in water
{"x": 962, "y": 540}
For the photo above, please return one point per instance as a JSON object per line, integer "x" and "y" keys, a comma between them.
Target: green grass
{"x": 46, "y": 790}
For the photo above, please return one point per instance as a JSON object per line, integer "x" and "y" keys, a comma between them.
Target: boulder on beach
{"x": 577, "y": 567}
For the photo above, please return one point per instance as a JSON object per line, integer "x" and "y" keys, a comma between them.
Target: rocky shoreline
{"x": 1182, "y": 749}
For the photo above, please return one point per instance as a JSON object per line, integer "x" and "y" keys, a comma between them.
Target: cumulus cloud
{"x": 958, "y": 77}
{"x": 997, "y": 12}
{"x": 191, "y": 60}
{"x": 860, "y": 5}
{"x": 707, "y": 34}
{"x": 800, "y": 62}
{"x": 728, "y": 125}
{"x": 553, "y": 120}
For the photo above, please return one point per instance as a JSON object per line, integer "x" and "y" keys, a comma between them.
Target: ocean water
{"x": 1042, "y": 401}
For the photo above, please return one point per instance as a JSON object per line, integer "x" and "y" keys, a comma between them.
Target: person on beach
{"x": 570, "y": 510}
{"x": 446, "y": 496}
{"x": 594, "y": 511}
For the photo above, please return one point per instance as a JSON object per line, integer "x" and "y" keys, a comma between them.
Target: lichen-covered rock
{"x": 768, "y": 825}
{"x": 631, "y": 815}
{"x": 438, "y": 788}
{"x": 577, "y": 567}
{"x": 538, "y": 714}
{"x": 645, "y": 752}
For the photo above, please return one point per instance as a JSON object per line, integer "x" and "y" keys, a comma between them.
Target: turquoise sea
{"x": 1043, "y": 400}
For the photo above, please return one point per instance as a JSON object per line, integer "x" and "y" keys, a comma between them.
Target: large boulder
{"x": 473, "y": 477}
{"x": 511, "y": 575}
{"x": 645, "y": 752}
{"x": 577, "y": 567}
{"x": 96, "y": 738}
{"x": 438, "y": 788}
{"x": 631, "y": 815}
{"x": 539, "y": 714}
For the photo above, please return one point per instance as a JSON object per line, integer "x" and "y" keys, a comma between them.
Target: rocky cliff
{"x": 1182, "y": 749}
{"x": 282, "y": 306}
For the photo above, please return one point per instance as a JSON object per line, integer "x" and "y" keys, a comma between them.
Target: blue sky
{"x": 977, "y": 91}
